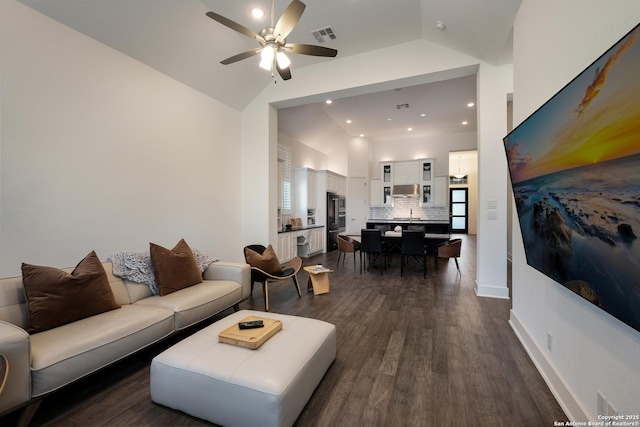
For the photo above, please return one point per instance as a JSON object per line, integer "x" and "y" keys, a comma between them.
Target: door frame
{"x": 464, "y": 230}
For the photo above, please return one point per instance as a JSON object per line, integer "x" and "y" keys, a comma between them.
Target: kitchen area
{"x": 405, "y": 194}
{"x": 409, "y": 193}
{"x": 316, "y": 216}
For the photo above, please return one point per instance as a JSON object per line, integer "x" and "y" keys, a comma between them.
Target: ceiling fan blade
{"x": 235, "y": 26}
{"x": 288, "y": 20}
{"x": 241, "y": 56}
{"x": 308, "y": 49}
{"x": 285, "y": 73}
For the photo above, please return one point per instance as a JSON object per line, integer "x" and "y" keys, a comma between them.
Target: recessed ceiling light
{"x": 471, "y": 104}
{"x": 349, "y": 121}
{"x": 389, "y": 119}
{"x": 328, "y": 101}
{"x": 465, "y": 123}
{"x": 409, "y": 129}
{"x": 423, "y": 115}
{"x": 257, "y": 13}
{"x": 362, "y": 135}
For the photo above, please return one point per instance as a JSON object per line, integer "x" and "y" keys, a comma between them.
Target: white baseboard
{"x": 492, "y": 291}
{"x": 560, "y": 391}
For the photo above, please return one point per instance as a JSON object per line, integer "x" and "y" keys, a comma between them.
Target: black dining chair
{"x": 371, "y": 245}
{"x": 413, "y": 247}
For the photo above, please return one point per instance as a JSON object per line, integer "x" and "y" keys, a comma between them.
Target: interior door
{"x": 459, "y": 208}
{"x": 357, "y": 205}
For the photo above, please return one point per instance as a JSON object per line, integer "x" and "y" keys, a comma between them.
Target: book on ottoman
{"x": 250, "y": 338}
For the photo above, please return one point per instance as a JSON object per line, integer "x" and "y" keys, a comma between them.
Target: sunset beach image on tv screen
{"x": 575, "y": 171}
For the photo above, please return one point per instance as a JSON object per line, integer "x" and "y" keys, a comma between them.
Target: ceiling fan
{"x": 272, "y": 40}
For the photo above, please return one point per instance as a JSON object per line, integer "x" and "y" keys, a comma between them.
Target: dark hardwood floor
{"x": 411, "y": 352}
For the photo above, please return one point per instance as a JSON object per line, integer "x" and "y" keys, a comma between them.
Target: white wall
{"x": 359, "y": 154}
{"x": 101, "y": 152}
{"x": 434, "y": 147}
{"x": 303, "y": 156}
{"x": 592, "y": 351}
{"x": 494, "y": 85}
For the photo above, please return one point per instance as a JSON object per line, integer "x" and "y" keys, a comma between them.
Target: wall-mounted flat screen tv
{"x": 575, "y": 171}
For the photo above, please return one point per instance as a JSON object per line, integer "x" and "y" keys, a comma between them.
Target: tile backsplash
{"x": 405, "y": 207}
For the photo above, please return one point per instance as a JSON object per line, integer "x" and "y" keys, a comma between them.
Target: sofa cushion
{"x": 62, "y": 355}
{"x": 56, "y": 297}
{"x": 267, "y": 262}
{"x": 175, "y": 268}
{"x": 198, "y": 302}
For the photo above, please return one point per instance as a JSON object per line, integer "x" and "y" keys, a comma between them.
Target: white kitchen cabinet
{"x": 386, "y": 194}
{"x": 334, "y": 183}
{"x": 406, "y": 172}
{"x": 440, "y": 191}
{"x": 386, "y": 172}
{"x": 316, "y": 240}
{"x": 375, "y": 189}
{"x": 426, "y": 168}
{"x": 288, "y": 243}
{"x": 283, "y": 251}
{"x": 386, "y": 183}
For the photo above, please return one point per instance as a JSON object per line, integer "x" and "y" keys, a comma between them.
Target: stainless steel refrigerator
{"x": 336, "y": 219}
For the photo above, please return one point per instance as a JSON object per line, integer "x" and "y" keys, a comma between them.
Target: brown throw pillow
{"x": 267, "y": 262}
{"x": 55, "y": 297}
{"x": 174, "y": 269}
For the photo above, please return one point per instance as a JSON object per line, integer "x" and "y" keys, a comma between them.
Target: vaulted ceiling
{"x": 178, "y": 39}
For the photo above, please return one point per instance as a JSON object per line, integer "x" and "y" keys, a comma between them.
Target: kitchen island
{"x": 430, "y": 226}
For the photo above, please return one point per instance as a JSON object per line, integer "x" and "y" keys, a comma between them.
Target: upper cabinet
{"x": 376, "y": 192}
{"x": 440, "y": 191}
{"x": 433, "y": 190}
{"x": 386, "y": 183}
{"x": 406, "y": 172}
{"x": 426, "y": 169}
{"x": 387, "y": 173}
{"x": 334, "y": 183}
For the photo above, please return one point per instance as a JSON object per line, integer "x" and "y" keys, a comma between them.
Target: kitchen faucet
{"x": 410, "y": 215}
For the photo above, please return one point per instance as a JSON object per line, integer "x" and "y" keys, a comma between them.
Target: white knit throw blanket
{"x": 137, "y": 267}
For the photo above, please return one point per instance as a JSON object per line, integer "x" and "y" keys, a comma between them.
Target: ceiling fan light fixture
{"x": 266, "y": 57}
{"x": 283, "y": 60}
{"x": 272, "y": 40}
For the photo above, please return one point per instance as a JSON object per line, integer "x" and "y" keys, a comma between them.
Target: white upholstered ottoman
{"x": 235, "y": 386}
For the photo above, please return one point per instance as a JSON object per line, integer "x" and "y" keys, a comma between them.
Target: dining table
{"x": 393, "y": 239}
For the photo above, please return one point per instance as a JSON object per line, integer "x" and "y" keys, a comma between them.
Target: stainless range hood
{"x": 406, "y": 190}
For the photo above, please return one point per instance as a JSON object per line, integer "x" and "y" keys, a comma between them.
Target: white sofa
{"x": 44, "y": 362}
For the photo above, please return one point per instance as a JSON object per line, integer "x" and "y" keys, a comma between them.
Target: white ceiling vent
{"x": 401, "y": 106}
{"x": 324, "y": 34}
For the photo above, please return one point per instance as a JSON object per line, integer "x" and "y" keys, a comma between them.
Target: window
{"x": 284, "y": 155}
